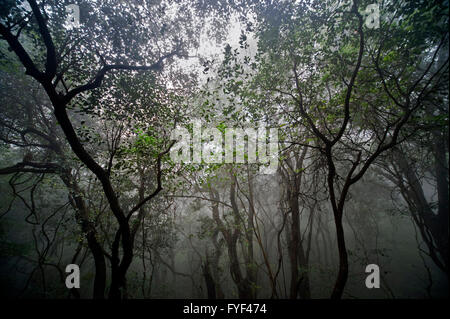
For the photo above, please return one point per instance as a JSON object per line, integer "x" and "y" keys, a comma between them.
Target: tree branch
{"x": 97, "y": 81}
{"x": 32, "y": 168}
{"x": 158, "y": 179}
{"x": 50, "y": 65}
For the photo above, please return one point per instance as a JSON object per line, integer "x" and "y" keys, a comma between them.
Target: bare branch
{"x": 31, "y": 167}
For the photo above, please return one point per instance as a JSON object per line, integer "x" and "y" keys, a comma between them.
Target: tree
{"x": 67, "y": 69}
{"x": 335, "y": 91}
{"x": 352, "y": 100}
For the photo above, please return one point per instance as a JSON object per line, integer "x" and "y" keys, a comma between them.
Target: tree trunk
{"x": 89, "y": 230}
{"x": 209, "y": 281}
{"x": 343, "y": 259}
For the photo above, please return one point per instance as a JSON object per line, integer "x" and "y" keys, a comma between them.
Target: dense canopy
{"x": 224, "y": 149}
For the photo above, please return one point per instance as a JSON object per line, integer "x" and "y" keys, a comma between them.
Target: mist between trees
{"x": 90, "y": 170}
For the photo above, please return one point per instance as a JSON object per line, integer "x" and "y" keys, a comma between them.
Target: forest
{"x": 224, "y": 149}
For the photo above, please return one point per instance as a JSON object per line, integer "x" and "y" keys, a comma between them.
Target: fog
{"x": 119, "y": 179}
